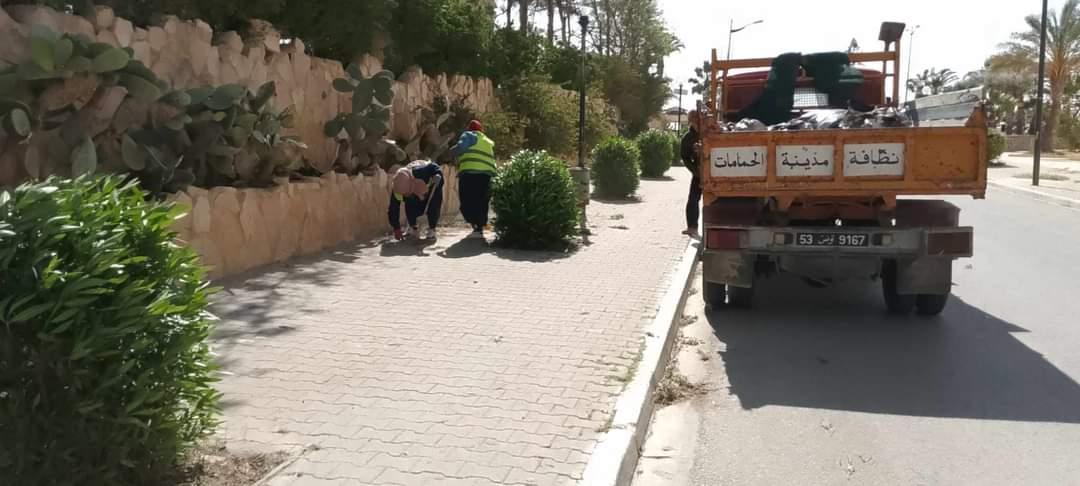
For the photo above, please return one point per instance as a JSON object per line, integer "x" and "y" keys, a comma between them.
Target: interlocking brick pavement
{"x": 451, "y": 364}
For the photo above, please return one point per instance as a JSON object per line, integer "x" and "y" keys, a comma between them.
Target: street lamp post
{"x": 911, "y": 50}
{"x": 732, "y": 30}
{"x": 584, "y": 22}
{"x": 678, "y": 116}
{"x": 580, "y": 173}
{"x": 1039, "y": 101}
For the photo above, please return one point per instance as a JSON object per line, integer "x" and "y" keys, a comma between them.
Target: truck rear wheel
{"x": 897, "y": 303}
{"x": 715, "y": 294}
{"x": 931, "y": 304}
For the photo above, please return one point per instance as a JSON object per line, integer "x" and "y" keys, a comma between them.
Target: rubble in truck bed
{"x": 828, "y": 119}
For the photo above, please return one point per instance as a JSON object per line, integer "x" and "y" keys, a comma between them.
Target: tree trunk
{"x": 551, "y": 22}
{"x": 523, "y": 14}
{"x": 599, "y": 27}
{"x": 1050, "y": 126}
{"x": 509, "y": 19}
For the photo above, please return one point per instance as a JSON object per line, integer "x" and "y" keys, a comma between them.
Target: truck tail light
{"x": 723, "y": 239}
{"x": 949, "y": 244}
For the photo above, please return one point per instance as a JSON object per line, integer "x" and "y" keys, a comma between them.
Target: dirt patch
{"x": 675, "y": 387}
{"x": 215, "y": 465}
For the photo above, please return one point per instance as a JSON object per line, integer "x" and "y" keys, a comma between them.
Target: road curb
{"x": 1039, "y": 195}
{"x": 615, "y": 457}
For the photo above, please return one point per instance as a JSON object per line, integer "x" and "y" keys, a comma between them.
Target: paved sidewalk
{"x": 452, "y": 364}
{"x": 1060, "y": 177}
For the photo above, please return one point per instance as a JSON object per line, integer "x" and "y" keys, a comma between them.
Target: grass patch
{"x": 1047, "y": 176}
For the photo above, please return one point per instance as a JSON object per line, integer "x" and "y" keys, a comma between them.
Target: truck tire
{"x": 715, "y": 294}
{"x": 741, "y": 297}
{"x": 930, "y": 305}
{"x": 897, "y": 304}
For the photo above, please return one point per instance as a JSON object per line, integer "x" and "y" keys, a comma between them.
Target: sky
{"x": 954, "y": 34}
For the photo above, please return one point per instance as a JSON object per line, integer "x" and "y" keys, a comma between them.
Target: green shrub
{"x": 655, "y": 148}
{"x": 507, "y": 129}
{"x": 676, "y": 149}
{"x": 534, "y": 201}
{"x": 995, "y": 145}
{"x": 105, "y": 376}
{"x": 550, "y": 115}
{"x": 615, "y": 167}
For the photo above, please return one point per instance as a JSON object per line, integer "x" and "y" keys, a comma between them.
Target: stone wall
{"x": 189, "y": 54}
{"x": 235, "y": 230}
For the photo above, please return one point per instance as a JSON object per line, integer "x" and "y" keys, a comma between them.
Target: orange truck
{"x": 836, "y": 204}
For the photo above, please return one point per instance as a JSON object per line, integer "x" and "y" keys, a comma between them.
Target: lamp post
{"x": 1039, "y": 101}
{"x": 732, "y": 30}
{"x": 911, "y": 50}
{"x": 678, "y": 116}
{"x": 583, "y": 21}
{"x": 580, "y": 173}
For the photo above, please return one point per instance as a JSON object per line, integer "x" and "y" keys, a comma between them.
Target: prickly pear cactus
{"x": 367, "y": 125}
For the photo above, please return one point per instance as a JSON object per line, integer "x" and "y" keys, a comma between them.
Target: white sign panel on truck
{"x": 739, "y": 161}
{"x": 873, "y": 159}
{"x": 804, "y": 160}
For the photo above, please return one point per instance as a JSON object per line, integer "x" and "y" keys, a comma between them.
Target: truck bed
{"x": 790, "y": 166}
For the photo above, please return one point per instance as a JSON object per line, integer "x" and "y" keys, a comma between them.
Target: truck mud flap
{"x": 924, "y": 276}
{"x": 733, "y": 268}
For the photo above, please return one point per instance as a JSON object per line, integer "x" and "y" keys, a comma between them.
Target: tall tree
{"x": 523, "y": 14}
{"x": 551, "y": 22}
{"x": 1062, "y": 52}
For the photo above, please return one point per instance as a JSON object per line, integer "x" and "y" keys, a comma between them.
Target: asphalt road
{"x": 819, "y": 387}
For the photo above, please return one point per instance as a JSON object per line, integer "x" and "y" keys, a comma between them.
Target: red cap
{"x": 475, "y": 126}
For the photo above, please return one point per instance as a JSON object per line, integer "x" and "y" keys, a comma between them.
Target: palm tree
{"x": 940, "y": 79}
{"x": 1062, "y": 57}
{"x": 919, "y": 84}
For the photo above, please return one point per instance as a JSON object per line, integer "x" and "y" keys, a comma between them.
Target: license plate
{"x": 833, "y": 239}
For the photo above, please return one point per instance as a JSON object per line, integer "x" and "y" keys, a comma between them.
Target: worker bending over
{"x": 419, "y": 186}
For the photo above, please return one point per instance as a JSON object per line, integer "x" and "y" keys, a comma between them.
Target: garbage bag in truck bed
{"x": 832, "y": 73}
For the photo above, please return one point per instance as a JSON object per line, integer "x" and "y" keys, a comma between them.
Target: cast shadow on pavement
{"x": 835, "y": 349}
{"x": 249, "y": 303}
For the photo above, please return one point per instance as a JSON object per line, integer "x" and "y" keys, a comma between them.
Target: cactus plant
{"x": 226, "y": 135}
{"x": 366, "y": 126}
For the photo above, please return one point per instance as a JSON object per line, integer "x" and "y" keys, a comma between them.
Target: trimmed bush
{"x": 105, "y": 375}
{"x": 615, "y": 168}
{"x": 655, "y": 148}
{"x": 534, "y": 201}
{"x": 995, "y": 145}
{"x": 676, "y": 151}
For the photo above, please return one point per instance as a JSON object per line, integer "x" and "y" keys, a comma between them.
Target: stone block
{"x": 141, "y": 34}
{"x": 124, "y": 32}
{"x": 107, "y": 37}
{"x": 171, "y": 24}
{"x": 201, "y": 222}
{"x": 104, "y": 17}
{"x": 230, "y": 41}
{"x": 36, "y": 15}
{"x": 142, "y": 51}
{"x": 225, "y": 199}
{"x": 203, "y": 31}
{"x": 158, "y": 38}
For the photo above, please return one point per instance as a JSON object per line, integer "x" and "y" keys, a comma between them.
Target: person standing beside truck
{"x": 419, "y": 187}
{"x": 691, "y": 160}
{"x": 476, "y": 167}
